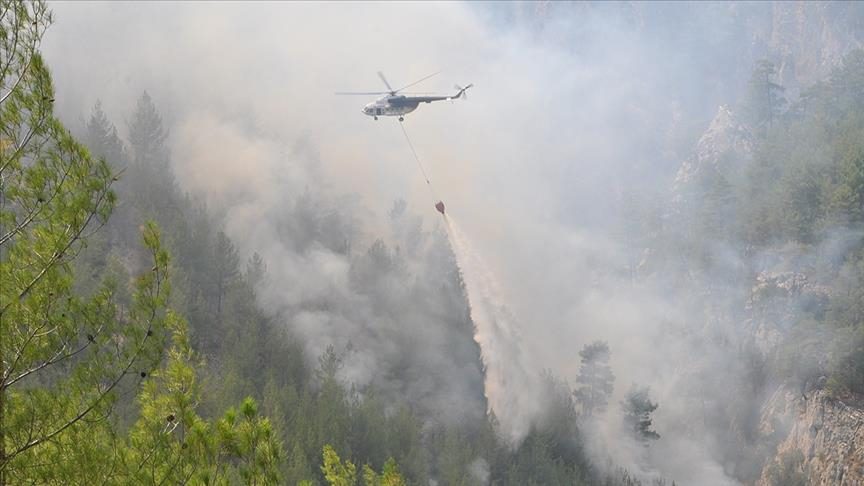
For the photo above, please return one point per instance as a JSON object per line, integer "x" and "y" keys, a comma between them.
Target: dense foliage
{"x": 68, "y": 356}
{"x": 804, "y": 192}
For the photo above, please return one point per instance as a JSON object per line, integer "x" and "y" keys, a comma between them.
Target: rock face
{"x": 808, "y": 39}
{"x": 818, "y": 439}
{"x": 825, "y": 435}
{"x": 726, "y": 141}
{"x": 776, "y": 298}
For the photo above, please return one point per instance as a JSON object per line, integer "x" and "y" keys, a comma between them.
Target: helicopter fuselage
{"x": 391, "y": 106}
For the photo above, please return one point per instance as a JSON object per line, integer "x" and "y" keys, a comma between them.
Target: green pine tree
{"x": 638, "y": 407}
{"x": 595, "y": 378}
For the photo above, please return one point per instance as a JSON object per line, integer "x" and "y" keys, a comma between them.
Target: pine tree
{"x": 171, "y": 443}
{"x": 847, "y": 198}
{"x": 102, "y": 140}
{"x": 596, "y": 378}
{"x": 226, "y": 269}
{"x": 764, "y": 101}
{"x": 63, "y": 356}
{"x": 152, "y": 188}
{"x": 256, "y": 271}
{"x": 637, "y": 408}
{"x": 335, "y": 471}
{"x": 390, "y": 475}
{"x": 147, "y": 135}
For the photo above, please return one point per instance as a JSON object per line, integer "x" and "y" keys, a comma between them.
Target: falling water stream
{"x": 509, "y": 384}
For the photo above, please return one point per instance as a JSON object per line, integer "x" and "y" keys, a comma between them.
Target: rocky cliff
{"x": 726, "y": 145}
{"x": 808, "y": 39}
{"x": 776, "y": 299}
{"x": 823, "y": 439}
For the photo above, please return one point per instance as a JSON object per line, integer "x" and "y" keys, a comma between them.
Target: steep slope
{"x": 809, "y": 39}
{"x": 824, "y": 443}
{"x": 726, "y": 145}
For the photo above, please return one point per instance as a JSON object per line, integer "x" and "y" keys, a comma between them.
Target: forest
{"x": 139, "y": 344}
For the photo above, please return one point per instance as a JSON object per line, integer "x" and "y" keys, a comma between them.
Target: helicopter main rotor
{"x": 390, "y": 90}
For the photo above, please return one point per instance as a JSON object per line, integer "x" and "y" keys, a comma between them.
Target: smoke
{"x": 577, "y": 109}
{"x": 479, "y": 470}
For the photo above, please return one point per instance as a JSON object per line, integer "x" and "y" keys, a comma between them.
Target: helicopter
{"x": 395, "y": 104}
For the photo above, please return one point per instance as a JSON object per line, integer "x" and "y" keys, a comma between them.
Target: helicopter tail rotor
{"x": 462, "y": 91}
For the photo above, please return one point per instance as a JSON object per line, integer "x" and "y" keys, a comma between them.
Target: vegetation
{"x": 796, "y": 205}
{"x": 764, "y": 102}
{"x": 595, "y": 377}
{"x": 806, "y": 186}
{"x": 769, "y": 240}
{"x": 787, "y": 471}
{"x": 638, "y": 407}
{"x": 67, "y": 356}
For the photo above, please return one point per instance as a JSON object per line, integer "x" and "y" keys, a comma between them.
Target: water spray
{"x": 508, "y": 384}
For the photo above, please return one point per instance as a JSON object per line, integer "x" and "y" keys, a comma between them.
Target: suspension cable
{"x": 417, "y": 158}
